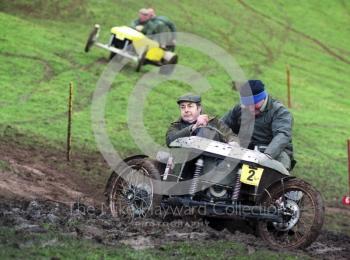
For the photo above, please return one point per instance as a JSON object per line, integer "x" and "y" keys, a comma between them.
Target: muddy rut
{"x": 38, "y": 189}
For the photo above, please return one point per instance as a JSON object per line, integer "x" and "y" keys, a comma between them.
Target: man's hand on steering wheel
{"x": 202, "y": 120}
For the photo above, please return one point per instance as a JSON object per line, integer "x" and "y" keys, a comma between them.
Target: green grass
{"x": 337, "y": 222}
{"x": 50, "y": 245}
{"x": 41, "y": 51}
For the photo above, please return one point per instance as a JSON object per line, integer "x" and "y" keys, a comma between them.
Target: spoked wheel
{"x": 132, "y": 192}
{"x": 303, "y": 217}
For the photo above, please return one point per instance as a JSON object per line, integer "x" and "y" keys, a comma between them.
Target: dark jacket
{"x": 181, "y": 128}
{"x": 157, "y": 25}
{"x": 272, "y": 127}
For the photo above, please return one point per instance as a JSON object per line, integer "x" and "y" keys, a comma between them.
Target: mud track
{"x": 37, "y": 187}
{"x": 81, "y": 221}
{"x": 29, "y": 171}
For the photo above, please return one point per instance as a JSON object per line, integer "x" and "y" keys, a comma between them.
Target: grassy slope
{"x": 42, "y": 52}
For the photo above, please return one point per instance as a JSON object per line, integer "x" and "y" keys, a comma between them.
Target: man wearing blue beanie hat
{"x": 267, "y": 119}
{"x": 252, "y": 93}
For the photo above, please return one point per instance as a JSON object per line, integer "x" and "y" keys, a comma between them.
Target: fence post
{"x": 69, "y": 128}
{"x": 349, "y": 164}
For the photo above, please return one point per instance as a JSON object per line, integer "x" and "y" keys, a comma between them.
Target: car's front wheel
{"x": 93, "y": 36}
{"x": 132, "y": 190}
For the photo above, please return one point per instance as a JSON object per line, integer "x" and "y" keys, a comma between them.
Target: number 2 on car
{"x": 251, "y": 175}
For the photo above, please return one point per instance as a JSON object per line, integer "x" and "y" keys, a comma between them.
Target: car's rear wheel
{"x": 303, "y": 218}
{"x": 170, "y": 60}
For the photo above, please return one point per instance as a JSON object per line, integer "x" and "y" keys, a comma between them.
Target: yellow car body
{"x": 126, "y": 42}
{"x": 140, "y": 42}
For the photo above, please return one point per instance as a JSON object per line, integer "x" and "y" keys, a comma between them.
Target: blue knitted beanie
{"x": 252, "y": 92}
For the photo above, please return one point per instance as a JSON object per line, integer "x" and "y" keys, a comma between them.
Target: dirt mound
{"x": 24, "y": 181}
{"x": 29, "y": 172}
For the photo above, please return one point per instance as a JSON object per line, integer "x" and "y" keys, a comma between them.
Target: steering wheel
{"x": 221, "y": 134}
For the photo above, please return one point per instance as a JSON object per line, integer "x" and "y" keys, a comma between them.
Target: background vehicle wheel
{"x": 92, "y": 38}
{"x": 305, "y": 206}
{"x": 131, "y": 194}
{"x": 141, "y": 61}
{"x": 167, "y": 70}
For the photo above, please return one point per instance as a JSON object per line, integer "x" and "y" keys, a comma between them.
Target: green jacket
{"x": 181, "y": 128}
{"x": 271, "y": 128}
{"x": 156, "y": 25}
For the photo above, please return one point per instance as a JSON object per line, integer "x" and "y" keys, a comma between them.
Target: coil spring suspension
{"x": 197, "y": 172}
{"x": 237, "y": 187}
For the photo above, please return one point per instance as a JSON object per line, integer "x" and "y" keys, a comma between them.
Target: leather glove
{"x": 139, "y": 28}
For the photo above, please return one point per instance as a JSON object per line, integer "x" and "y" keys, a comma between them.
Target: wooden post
{"x": 288, "y": 87}
{"x": 70, "y": 109}
{"x": 346, "y": 198}
{"x": 349, "y": 163}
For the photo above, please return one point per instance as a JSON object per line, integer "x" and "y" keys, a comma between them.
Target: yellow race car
{"x": 126, "y": 42}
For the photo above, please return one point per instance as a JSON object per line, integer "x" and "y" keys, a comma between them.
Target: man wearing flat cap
{"x": 192, "y": 120}
{"x": 267, "y": 119}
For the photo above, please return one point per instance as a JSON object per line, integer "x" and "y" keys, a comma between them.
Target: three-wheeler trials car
{"x": 125, "y": 42}
{"x": 238, "y": 184}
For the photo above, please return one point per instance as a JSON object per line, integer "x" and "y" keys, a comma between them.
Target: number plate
{"x": 251, "y": 175}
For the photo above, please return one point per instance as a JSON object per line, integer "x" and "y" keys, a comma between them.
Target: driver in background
{"x": 192, "y": 121}
{"x": 151, "y": 25}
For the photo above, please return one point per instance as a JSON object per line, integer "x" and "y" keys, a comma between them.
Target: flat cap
{"x": 189, "y": 98}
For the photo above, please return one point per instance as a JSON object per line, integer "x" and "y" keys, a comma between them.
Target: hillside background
{"x": 41, "y": 50}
